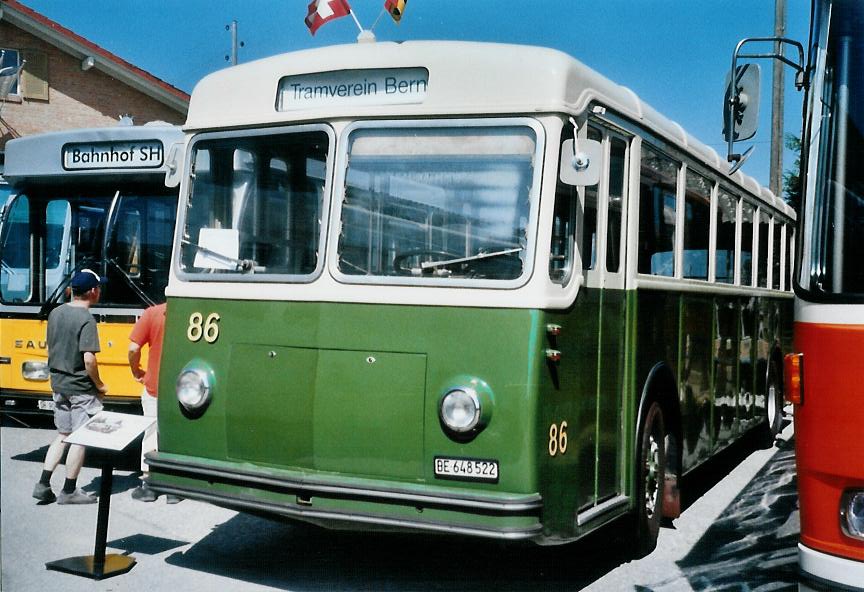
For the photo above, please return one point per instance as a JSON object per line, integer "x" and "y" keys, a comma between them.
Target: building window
{"x": 10, "y": 60}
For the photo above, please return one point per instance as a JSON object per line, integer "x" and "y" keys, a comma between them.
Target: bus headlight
{"x": 465, "y": 410}
{"x": 460, "y": 409}
{"x": 194, "y": 388}
{"x": 852, "y": 513}
{"x": 34, "y": 370}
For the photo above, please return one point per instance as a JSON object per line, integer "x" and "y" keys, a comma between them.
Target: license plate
{"x": 466, "y": 469}
{"x": 46, "y": 405}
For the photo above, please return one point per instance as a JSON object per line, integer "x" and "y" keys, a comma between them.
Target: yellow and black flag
{"x": 396, "y": 8}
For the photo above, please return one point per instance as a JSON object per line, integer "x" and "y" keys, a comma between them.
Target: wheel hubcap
{"x": 772, "y": 405}
{"x": 652, "y": 476}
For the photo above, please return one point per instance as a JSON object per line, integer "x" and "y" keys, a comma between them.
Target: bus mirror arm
{"x": 580, "y": 160}
{"x": 580, "y": 165}
{"x": 741, "y": 105}
{"x": 739, "y": 159}
{"x": 173, "y": 165}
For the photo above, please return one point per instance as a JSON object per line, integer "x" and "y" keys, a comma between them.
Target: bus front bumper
{"x": 17, "y": 402}
{"x": 335, "y": 504}
{"x": 830, "y": 569}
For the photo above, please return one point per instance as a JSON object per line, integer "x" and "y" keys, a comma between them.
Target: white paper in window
{"x": 220, "y": 248}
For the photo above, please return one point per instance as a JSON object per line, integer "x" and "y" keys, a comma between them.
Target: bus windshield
{"x": 437, "y": 203}
{"x": 49, "y": 235}
{"x": 833, "y": 249}
{"x": 255, "y": 206}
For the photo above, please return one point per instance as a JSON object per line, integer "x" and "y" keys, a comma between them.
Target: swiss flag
{"x": 324, "y": 11}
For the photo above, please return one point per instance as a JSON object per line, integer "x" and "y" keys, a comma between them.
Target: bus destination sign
{"x": 391, "y": 86}
{"x": 113, "y": 155}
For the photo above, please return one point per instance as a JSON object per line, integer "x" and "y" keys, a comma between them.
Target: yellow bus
{"x": 92, "y": 198}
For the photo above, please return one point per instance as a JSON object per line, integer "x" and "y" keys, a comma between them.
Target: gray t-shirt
{"x": 71, "y": 332}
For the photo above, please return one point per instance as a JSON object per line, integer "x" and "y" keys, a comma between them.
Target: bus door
{"x": 602, "y": 251}
{"x": 612, "y": 323}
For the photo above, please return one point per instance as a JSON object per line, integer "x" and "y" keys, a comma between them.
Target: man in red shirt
{"x": 148, "y": 331}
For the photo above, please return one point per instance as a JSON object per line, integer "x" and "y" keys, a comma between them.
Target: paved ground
{"x": 740, "y": 535}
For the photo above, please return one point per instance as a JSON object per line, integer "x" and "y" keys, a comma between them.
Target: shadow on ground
{"x": 306, "y": 558}
{"x": 753, "y": 544}
{"x": 145, "y": 544}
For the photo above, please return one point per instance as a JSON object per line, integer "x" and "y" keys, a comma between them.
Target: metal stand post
{"x": 98, "y": 566}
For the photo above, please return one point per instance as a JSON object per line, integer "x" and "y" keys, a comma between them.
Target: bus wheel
{"x": 650, "y": 480}
{"x": 773, "y": 406}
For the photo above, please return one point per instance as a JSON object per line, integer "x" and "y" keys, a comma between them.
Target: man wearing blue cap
{"x": 73, "y": 342}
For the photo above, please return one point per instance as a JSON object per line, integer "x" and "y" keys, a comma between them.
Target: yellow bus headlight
{"x": 34, "y": 371}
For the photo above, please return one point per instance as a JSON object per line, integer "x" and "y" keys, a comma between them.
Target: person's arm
{"x": 135, "y": 361}
{"x": 91, "y": 366}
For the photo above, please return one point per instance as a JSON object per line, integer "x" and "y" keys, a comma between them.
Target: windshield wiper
{"x": 135, "y": 287}
{"x": 53, "y": 301}
{"x": 242, "y": 265}
{"x": 433, "y": 264}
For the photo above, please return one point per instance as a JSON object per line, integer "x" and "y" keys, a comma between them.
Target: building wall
{"x": 75, "y": 98}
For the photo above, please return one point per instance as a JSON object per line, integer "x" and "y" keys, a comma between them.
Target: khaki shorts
{"x": 73, "y": 411}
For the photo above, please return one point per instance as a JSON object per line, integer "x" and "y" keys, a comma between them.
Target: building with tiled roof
{"x": 70, "y": 82}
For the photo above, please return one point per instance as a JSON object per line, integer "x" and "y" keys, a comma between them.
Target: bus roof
{"x": 130, "y": 151}
{"x": 462, "y": 78}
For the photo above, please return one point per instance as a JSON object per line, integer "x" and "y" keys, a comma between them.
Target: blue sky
{"x": 673, "y": 54}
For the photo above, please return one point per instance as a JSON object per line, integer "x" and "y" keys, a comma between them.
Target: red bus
{"x": 823, "y": 375}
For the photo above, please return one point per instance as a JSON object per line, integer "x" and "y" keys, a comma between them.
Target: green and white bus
{"x": 402, "y": 296}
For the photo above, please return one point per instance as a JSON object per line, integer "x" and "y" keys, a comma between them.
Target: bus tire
{"x": 650, "y": 479}
{"x": 773, "y": 406}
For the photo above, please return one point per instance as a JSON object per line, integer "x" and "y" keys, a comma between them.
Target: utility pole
{"x": 234, "y": 45}
{"x": 775, "y": 182}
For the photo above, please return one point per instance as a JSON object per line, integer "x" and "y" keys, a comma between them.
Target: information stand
{"x": 113, "y": 432}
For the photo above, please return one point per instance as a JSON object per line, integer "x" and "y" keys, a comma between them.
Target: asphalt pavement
{"x": 740, "y": 535}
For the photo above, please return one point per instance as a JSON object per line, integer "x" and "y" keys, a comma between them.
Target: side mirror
{"x": 174, "y": 164}
{"x": 580, "y": 165}
{"x": 741, "y": 104}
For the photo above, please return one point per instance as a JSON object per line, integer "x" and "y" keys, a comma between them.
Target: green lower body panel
{"x": 355, "y": 504}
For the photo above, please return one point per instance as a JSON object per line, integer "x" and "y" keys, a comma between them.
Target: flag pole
{"x": 375, "y": 24}
{"x": 359, "y": 26}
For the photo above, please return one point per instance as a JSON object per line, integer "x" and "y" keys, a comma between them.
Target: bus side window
{"x": 657, "y": 213}
{"x": 589, "y": 219}
{"x": 15, "y": 253}
{"x": 764, "y": 221}
{"x": 127, "y": 244}
{"x": 790, "y": 253}
{"x": 747, "y": 216}
{"x": 697, "y": 220}
{"x": 58, "y": 229}
{"x": 563, "y": 223}
{"x": 777, "y": 227}
{"x": 727, "y": 210}
{"x": 617, "y": 186}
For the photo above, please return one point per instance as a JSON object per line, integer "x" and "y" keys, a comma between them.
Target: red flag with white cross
{"x": 324, "y": 11}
